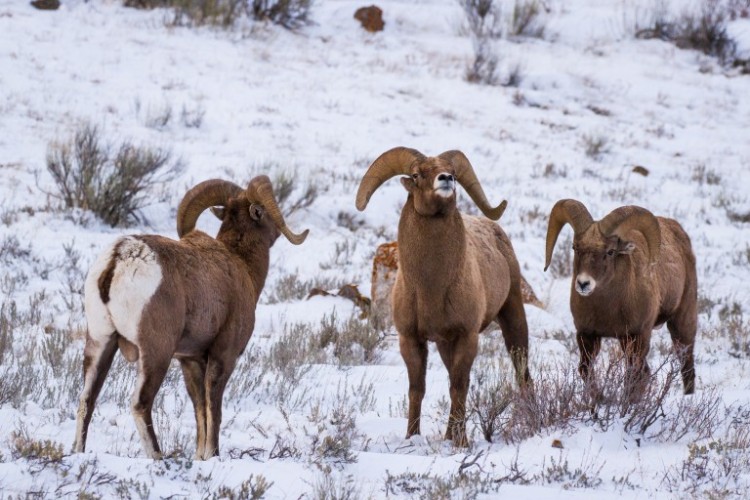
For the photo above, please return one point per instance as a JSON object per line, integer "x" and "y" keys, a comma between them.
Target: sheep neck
{"x": 436, "y": 253}
{"x": 255, "y": 258}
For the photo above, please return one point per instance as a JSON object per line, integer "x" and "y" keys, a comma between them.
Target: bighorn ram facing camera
{"x": 457, "y": 273}
{"x": 192, "y": 299}
{"x": 632, "y": 272}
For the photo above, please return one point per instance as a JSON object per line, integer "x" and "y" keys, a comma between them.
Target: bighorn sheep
{"x": 456, "y": 275}
{"x": 632, "y": 272}
{"x": 192, "y": 299}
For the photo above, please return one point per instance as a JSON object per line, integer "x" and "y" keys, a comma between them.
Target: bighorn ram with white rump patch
{"x": 632, "y": 272}
{"x": 456, "y": 275}
{"x": 192, "y": 299}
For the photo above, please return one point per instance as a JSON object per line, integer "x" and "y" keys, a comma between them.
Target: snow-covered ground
{"x": 320, "y": 104}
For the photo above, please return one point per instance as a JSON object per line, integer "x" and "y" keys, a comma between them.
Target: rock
{"x": 638, "y": 169}
{"x": 371, "y": 18}
{"x": 46, "y": 4}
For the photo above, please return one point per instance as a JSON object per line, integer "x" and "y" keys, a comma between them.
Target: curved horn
{"x": 468, "y": 179}
{"x": 393, "y": 162}
{"x": 260, "y": 191}
{"x": 622, "y": 220}
{"x": 206, "y": 194}
{"x": 571, "y": 212}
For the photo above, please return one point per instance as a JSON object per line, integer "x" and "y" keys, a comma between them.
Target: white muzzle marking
{"x": 585, "y": 284}
{"x": 444, "y": 187}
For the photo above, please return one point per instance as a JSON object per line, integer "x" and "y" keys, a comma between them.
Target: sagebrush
{"x": 113, "y": 181}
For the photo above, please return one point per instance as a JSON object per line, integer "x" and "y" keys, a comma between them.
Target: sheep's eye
{"x": 415, "y": 176}
{"x": 610, "y": 252}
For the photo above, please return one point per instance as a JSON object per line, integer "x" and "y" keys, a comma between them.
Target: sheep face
{"x": 595, "y": 259}
{"x": 245, "y": 223}
{"x": 432, "y": 184}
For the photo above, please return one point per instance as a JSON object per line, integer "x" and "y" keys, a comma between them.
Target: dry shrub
{"x": 561, "y": 265}
{"x": 285, "y": 186}
{"x": 290, "y": 14}
{"x": 490, "y": 395}
{"x": 716, "y": 469}
{"x": 556, "y": 402}
{"x": 484, "y": 68}
{"x": 526, "y": 19}
{"x": 339, "y": 487}
{"x": 560, "y": 400}
{"x": 353, "y": 342}
{"x": 43, "y": 452}
{"x": 483, "y": 17}
{"x": 704, "y": 30}
{"x": 291, "y": 287}
{"x": 111, "y": 181}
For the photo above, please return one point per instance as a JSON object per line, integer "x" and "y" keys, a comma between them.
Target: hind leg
{"x": 636, "y": 348}
{"x": 97, "y": 359}
{"x": 194, "y": 372}
{"x": 512, "y": 319}
{"x": 682, "y": 328}
{"x": 218, "y": 372}
{"x": 152, "y": 368}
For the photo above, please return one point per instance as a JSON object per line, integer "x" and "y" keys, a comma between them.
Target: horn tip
{"x": 298, "y": 239}
{"x": 498, "y": 211}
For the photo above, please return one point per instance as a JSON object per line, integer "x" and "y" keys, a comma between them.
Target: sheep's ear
{"x": 408, "y": 183}
{"x": 256, "y": 212}
{"x": 625, "y": 247}
{"x": 219, "y": 212}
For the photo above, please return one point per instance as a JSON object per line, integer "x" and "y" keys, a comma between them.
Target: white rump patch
{"x": 97, "y": 316}
{"x": 585, "y": 284}
{"x": 137, "y": 276}
{"x": 444, "y": 188}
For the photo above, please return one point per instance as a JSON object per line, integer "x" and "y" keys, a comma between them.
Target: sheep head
{"x": 598, "y": 244}
{"x": 250, "y": 211}
{"x": 431, "y": 181}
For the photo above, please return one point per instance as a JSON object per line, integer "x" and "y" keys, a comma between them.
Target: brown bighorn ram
{"x": 192, "y": 299}
{"x": 456, "y": 275}
{"x": 632, "y": 272}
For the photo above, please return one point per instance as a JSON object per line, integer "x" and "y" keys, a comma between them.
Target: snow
{"x": 320, "y": 104}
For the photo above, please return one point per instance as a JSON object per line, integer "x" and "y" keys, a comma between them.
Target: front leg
{"x": 589, "y": 346}
{"x": 414, "y": 353}
{"x": 458, "y": 357}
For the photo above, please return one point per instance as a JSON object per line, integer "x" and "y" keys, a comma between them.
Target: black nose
{"x": 445, "y": 177}
{"x": 583, "y": 285}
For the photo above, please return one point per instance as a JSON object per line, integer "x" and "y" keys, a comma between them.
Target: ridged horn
{"x": 214, "y": 192}
{"x": 622, "y": 220}
{"x": 393, "y": 162}
{"x": 468, "y": 179}
{"x": 260, "y": 191}
{"x": 567, "y": 211}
